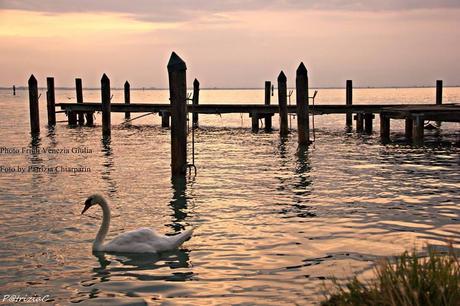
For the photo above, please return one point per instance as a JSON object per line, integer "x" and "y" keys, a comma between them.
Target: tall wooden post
{"x": 79, "y": 89}
{"x": 268, "y": 117}
{"x": 384, "y": 128}
{"x": 349, "y": 101}
{"x": 418, "y": 130}
{"x": 106, "y": 107}
{"x": 282, "y": 101}
{"x": 195, "y": 101}
{"x": 178, "y": 97}
{"x": 439, "y": 92}
{"x": 50, "y": 101}
{"x": 127, "y": 99}
{"x": 302, "y": 105}
{"x": 14, "y": 90}
{"x": 33, "y": 106}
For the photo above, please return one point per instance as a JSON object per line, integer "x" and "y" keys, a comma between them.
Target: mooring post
{"x": 384, "y": 128}
{"x": 79, "y": 89}
{"x": 127, "y": 99}
{"x": 282, "y": 101}
{"x": 409, "y": 123}
{"x": 368, "y": 117}
{"x": 50, "y": 101}
{"x": 418, "y": 130}
{"x": 195, "y": 101}
{"x": 178, "y": 97}
{"x": 349, "y": 101}
{"x": 106, "y": 107}
{"x": 359, "y": 117}
{"x": 33, "y": 106}
{"x": 14, "y": 90}
{"x": 438, "y": 92}
{"x": 254, "y": 122}
{"x": 268, "y": 117}
{"x": 301, "y": 84}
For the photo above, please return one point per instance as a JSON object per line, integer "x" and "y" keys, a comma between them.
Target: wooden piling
{"x": 127, "y": 99}
{"x": 165, "y": 119}
{"x": 408, "y": 128}
{"x": 368, "y": 117}
{"x": 33, "y": 106}
{"x": 268, "y": 117}
{"x": 106, "y": 107}
{"x": 178, "y": 97}
{"x": 302, "y": 105}
{"x": 90, "y": 118}
{"x": 50, "y": 101}
{"x": 418, "y": 130}
{"x": 255, "y": 122}
{"x": 72, "y": 118}
{"x": 349, "y": 101}
{"x": 384, "y": 128}
{"x": 79, "y": 89}
{"x": 14, "y": 90}
{"x": 439, "y": 92}
{"x": 359, "y": 122}
{"x": 195, "y": 101}
{"x": 282, "y": 101}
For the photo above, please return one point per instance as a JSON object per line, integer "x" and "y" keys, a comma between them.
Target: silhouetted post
{"x": 418, "y": 131}
{"x": 282, "y": 101}
{"x": 79, "y": 89}
{"x": 72, "y": 118}
{"x": 409, "y": 123}
{"x": 359, "y": 122}
{"x": 439, "y": 92}
{"x": 384, "y": 128}
{"x": 51, "y": 101}
{"x": 14, "y": 90}
{"x": 178, "y": 97}
{"x": 127, "y": 99}
{"x": 349, "y": 101}
{"x": 302, "y": 105}
{"x": 368, "y": 122}
{"x": 195, "y": 101}
{"x": 165, "y": 119}
{"x": 254, "y": 122}
{"x": 33, "y": 106}
{"x": 106, "y": 107}
{"x": 268, "y": 117}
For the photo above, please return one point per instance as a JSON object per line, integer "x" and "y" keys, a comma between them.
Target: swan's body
{"x": 142, "y": 240}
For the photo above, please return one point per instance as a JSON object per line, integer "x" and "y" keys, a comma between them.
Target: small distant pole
{"x": 79, "y": 89}
{"x": 438, "y": 92}
{"x": 51, "y": 101}
{"x": 268, "y": 117}
{"x": 14, "y": 90}
{"x": 282, "y": 101}
{"x": 349, "y": 101}
{"x": 195, "y": 100}
{"x": 127, "y": 99}
{"x": 302, "y": 105}
{"x": 178, "y": 97}
{"x": 106, "y": 107}
{"x": 33, "y": 106}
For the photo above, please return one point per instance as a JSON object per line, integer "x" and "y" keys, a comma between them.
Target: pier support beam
{"x": 349, "y": 101}
{"x": 106, "y": 107}
{"x": 79, "y": 89}
{"x": 418, "y": 130}
{"x": 268, "y": 117}
{"x": 50, "y": 102}
{"x": 195, "y": 101}
{"x": 33, "y": 106}
{"x": 72, "y": 118}
{"x": 359, "y": 117}
{"x": 384, "y": 128}
{"x": 368, "y": 117}
{"x": 165, "y": 119}
{"x": 127, "y": 89}
{"x": 282, "y": 101}
{"x": 178, "y": 97}
{"x": 254, "y": 122}
{"x": 408, "y": 128}
{"x": 302, "y": 105}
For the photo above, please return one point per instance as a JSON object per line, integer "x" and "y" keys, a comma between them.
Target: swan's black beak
{"x": 87, "y": 206}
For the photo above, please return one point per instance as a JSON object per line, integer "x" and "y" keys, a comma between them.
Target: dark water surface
{"x": 274, "y": 221}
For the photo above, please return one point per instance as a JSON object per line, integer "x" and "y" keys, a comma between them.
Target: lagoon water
{"x": 274, "y": 223}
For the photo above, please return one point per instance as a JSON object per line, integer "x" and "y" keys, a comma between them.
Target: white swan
{"x": 142, "y": 240}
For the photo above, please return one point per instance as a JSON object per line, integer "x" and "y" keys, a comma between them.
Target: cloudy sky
{"x": 231, "y": 43}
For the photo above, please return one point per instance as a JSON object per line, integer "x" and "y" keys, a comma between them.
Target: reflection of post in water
{"x": 303, "y": 170}
{"x": 108, "y": 164}
{"x": 179, "y": 201}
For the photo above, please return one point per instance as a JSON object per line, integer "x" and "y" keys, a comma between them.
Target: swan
{"x": 142, "y": 240}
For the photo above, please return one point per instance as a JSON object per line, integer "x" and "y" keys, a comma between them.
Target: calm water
{"x": 274, "y": 223}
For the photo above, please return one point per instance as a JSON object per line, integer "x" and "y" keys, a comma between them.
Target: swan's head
{"x": 91, "y": 201}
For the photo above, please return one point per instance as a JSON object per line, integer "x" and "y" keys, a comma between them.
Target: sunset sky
{"x": 232, "y": 43}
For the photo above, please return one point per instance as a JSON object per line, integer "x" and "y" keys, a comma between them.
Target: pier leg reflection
{"x": 179, "y": 201}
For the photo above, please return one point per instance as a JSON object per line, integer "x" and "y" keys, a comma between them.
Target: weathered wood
{"x": 178, "y": 97}
{"x": 72, "y": 118}
{"x": 408, "y": 128}
{"x": 127, "y": 88}
{"x": 165, "y": 119}
{"x": 302, "y": 105}
{"x": 89, "y": 118}
{"x": 79, "y": 90}
{"x": 359, "y": 117}
{"x": 14, "y": 90}
{"x": 50, "y": 101}
{"x": 33, "y": 106}
{"x": 254, "y": 122}
{"x": 268, "y": 118}
{"x": 368, "y": 118}
{"x": 349, "y": 101}
{"x": 384, "y": 128}
{"x": 106, "y": 107}
{"x": 438, "y": 92}
{"x": 195, "y": 101}
{"x": 282, "y": 101}
{"x": 418, "y": 130}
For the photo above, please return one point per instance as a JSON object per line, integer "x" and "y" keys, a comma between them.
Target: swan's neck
{"x": 104, "y": 229}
